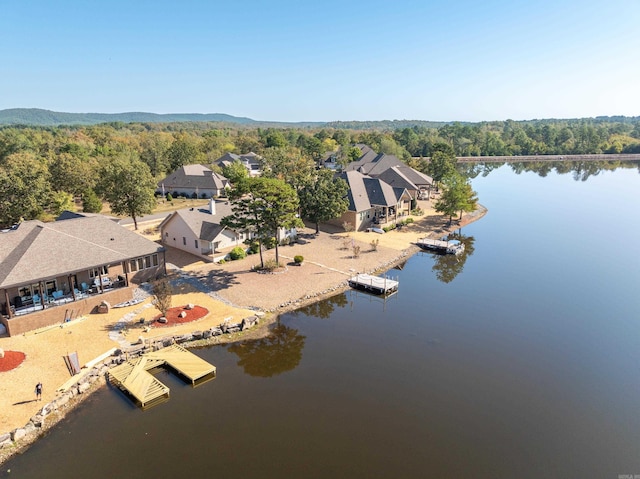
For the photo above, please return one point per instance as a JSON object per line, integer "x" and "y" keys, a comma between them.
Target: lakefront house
{"x": 54, "y": 272}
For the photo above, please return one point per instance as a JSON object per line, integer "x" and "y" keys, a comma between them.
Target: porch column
{"x": 72, "y": 286}
{"x": 126, "y": 273}
{"x": 164, "y": 261}
{"x": 42, "y": 293}
{"x": 6, "y": 298}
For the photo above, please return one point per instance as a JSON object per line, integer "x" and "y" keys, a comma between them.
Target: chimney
{"x": 212, "y": 206}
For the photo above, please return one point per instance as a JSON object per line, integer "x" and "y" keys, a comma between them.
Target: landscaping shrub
{"x": 298, "y": 259}
{"x": 408, "y": 221}
{"x": 237, "y": 253}
{"x": 269, "y": 243}
{"x": 169, "y": 197}
{"x": 271, "y": 265}
{"x": 194, "y": 196}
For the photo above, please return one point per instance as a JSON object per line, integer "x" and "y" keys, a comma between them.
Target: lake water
{"x": 519, "y": 360}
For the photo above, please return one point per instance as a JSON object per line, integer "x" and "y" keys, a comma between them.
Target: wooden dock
{"x": 374, "y": 284}
{"x": 449, "y": 247}
{"x": 134, "y": 377}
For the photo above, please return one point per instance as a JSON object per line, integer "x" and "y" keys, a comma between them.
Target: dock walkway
{"x": 134, "y": 378}
{"x": 375, "y": 284}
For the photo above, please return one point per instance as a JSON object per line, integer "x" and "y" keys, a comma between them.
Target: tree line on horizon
{"x": 44, "y": 170}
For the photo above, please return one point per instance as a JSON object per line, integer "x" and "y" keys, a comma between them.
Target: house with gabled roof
{"x": 392, "y": 170}
{"x": 373, "y": 202}
{"x": 199, "y": 231}
{"x": 194, "y": 181}
{"x": 250, "y": 161}
{"x": 77, "y": 262}
{"x": 416, "y": 183}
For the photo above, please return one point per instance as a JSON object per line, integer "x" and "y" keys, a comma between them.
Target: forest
{"x": 44, "y": 170}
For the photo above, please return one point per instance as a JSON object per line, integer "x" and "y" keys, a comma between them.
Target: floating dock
{"x": 134, "y": 377}
{"x": 374, "y": 284}
{"x": 441, "y": 246}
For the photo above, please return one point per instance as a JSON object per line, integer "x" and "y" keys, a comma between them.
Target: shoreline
{"x": 57, "y": 413}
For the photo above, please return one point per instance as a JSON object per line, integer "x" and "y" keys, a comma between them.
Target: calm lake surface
{"x": 520, "y": 360}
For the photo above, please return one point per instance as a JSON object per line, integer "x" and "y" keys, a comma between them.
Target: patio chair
{"x": 85, "y": 287}
{"x": 35, "y": 298}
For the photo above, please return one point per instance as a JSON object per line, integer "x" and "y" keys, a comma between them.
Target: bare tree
{"x": 162, "y": 295}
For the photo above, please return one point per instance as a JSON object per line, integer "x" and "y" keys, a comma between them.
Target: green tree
{"x": 91, "y": 202}
{"x": 263, "y": 206}
{"x": 24, "y": 183}
{"x": 324, "y": 199}
{"x": 235, "y": 172}
{"x": 183, "y": 151}
{"x": 72, "y": 173}
{"x": 154, "y": 152}
{"x": 289, "y": 165}
{"x": 457, "y": 196}
{"x": 441, "y": 165}
{"x": 126, "y": 183}
{"x": 61, "y": 201}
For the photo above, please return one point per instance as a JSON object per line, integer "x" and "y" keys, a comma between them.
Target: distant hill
{"x": 38, "y": 117}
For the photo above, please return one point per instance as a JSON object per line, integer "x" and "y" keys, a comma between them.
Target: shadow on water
{"x": 447, "y": 266}
{"x": 275, "y": 354}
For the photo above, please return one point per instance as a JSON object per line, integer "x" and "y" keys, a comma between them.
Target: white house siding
{"x": 176, "y": 233}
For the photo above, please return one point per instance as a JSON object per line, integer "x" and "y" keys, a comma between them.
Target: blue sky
{"x": 288, "y": 60}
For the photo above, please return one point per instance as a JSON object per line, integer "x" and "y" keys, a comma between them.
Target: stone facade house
{"x": 372, "y": 202}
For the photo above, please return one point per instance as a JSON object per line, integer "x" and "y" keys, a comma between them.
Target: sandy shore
{"x": 328, "y": 263}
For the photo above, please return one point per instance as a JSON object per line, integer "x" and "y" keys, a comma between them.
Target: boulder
{"x": 189, "y": 306}
{"x": 83, "y": 388}
{"x": 38, "y": 420}
{"x": 182, "y": 314}
{"x": 1, "y": 353}
{"x": 30, "y": 428}
{"x": 5, "y": 439}
{"x": 18, "y": 434}
{"x": 162, "y": 320}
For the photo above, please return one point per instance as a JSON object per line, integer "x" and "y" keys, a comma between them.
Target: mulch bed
{"x": 11, "y": 360}
{"x": 173, "y": 318}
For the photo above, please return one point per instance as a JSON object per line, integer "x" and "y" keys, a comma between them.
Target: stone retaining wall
{"x": 13, "y": 441}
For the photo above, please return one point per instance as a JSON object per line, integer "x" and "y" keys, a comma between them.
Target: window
{"x": 196, "y": 244}
{"x": 145, "y": 262}
{"x": 184, "y": 241}
{"x": 96, "y": 272}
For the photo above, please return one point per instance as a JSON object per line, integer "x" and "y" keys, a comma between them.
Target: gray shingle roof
{"x": 37, "y": 250}
{"x": 203, "y": 224}
{"x": 366, "y": 192}
{"x": 194, "y": 176}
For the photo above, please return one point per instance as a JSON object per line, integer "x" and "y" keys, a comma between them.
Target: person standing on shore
{"x": 39, "y": 391}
